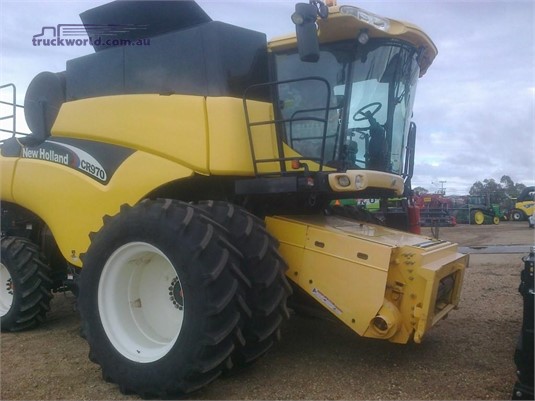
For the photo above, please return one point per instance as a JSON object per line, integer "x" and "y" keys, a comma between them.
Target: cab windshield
{"x": 352, "y": 108}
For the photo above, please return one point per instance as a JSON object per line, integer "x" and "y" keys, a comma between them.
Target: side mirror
{"x": 304, "y": 18}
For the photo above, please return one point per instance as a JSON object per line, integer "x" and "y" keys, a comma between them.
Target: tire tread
{"x": 31, "y": 274}
{"x": 263, "y": 268}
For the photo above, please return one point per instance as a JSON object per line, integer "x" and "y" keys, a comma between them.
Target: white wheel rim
{"x": 138, "y": 302}
{"x": 6, "y": 290}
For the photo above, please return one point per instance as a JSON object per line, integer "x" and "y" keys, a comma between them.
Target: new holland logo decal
{"x": 68, "y": 155}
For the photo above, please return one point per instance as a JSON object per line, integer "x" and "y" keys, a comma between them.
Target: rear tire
{"x": 158, "y": 299}
{"x": 264, "y": 268}
{"x": 517, "y": 215}
{"x": 25, "y": 285}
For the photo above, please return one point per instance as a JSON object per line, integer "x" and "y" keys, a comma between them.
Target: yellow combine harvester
{"x": 178, "y": 180}
{"x": 524, "y": 205}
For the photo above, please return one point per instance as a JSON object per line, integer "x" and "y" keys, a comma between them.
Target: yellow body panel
{"x": 364, "y": 273}
{"x": 7, "y": 169}
{"x": 173, "y": 127}
{"x": 420, "y": 271}
{"x": 76, "y": 204}
{"x": 207, "y": 135}
{"x": 230, "y": 150}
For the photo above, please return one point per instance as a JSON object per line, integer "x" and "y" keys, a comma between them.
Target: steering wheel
{"x": 365, "y": 113}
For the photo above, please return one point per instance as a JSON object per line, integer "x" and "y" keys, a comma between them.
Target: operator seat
{"x": 378, "y": 147}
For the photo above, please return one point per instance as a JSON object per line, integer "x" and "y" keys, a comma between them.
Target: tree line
{"x": 499, "y": 192}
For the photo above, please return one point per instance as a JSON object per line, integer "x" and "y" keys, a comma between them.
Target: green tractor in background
{"x": 476, "y": 209}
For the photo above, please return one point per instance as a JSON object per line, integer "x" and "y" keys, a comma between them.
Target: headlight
{"x": 365, "y": 16}
{"x": 359, "y": 182}
{"x": 343, "y": 180}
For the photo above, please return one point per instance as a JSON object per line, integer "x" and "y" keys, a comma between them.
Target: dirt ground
{"x": 467, "y": 356}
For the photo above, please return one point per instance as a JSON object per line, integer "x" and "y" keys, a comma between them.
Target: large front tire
{"x": 158, "y": 299}
{"x": 25, "y": 285}
{"x": 264, "y": 268}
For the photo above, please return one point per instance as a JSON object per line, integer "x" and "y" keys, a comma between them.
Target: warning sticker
{"x": 326, "y": 301}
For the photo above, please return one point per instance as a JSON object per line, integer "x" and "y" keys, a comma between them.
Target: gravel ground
{"x": 467, "y": 356}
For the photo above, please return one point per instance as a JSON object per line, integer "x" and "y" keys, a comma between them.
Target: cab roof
{"x": 346, "y": 22}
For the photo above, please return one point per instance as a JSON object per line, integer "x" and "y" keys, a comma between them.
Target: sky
{"x": 475, "y": 106}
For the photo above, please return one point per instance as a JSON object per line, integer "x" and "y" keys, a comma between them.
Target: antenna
{"x": 441, "y": 191}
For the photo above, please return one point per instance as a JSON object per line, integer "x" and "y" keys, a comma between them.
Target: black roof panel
{"x": 133, "y": 20}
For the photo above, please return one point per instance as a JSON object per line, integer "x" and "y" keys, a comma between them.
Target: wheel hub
{"x": 6, "y": 290}
{"x": 9, "y": 286}
{"x": 176, "y": 295}
{"x": 141, "y": 303}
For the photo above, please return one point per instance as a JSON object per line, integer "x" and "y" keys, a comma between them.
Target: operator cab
{"x": 368, "y": 94}
{"x": 343, "y": 107}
